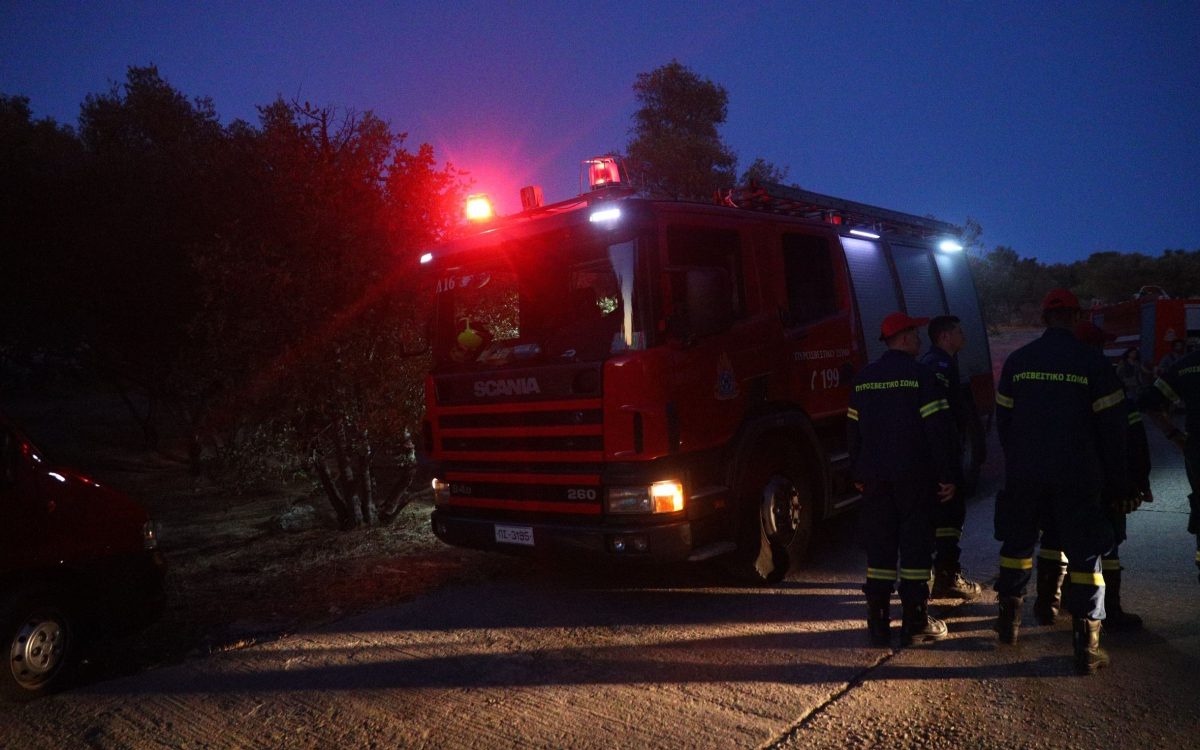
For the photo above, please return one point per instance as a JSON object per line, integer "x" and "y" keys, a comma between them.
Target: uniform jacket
{"x": 1179, "y": 384}
{"x": 900, "y": 428}
{"x": 1061, "y": 416}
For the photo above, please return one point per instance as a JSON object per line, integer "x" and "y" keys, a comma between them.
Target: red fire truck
{"x": 650, "y": 380}
{"x": 1151, "y": 321}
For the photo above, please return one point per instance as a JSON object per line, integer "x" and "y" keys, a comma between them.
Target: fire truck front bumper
{"x": 663, "y": 542}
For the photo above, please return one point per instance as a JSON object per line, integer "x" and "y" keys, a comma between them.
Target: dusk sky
{"x": 1063, "y": 128}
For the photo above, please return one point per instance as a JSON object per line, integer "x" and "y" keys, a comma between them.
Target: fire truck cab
{"x": 647, "y": 380}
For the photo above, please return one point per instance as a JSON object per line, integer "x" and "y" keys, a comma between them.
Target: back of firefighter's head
{"x": 946, "y": 333}
{"x": 1060, "y": 308}
{"x": 899, "y": 331}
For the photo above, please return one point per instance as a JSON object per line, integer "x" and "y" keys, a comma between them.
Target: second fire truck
{"x": 631, "y": 379}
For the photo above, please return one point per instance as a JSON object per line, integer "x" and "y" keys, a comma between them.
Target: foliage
{"x": 252, "y": 284}
{"x": 1010, "y": 287}
{"x": 40, "y": 186}
{"x": 761, "y": 170}
{"x": 319, "y": 282}
{"x": 675, "y": 149}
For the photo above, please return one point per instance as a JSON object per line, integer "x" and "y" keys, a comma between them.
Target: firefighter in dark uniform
{"x": 1179, "y": 385}
{"x": 1061, "y": 419}
{"x": 1052, "y": 560}
{"x": 946, "y": 340}
{"x": 901, "y": 452}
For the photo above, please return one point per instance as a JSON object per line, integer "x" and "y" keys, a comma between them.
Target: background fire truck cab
{"x": 649, "y": 380}
{"x": 1150, "y": 321}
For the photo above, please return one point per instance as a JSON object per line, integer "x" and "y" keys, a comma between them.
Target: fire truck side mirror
{"x": 703, "y": 302}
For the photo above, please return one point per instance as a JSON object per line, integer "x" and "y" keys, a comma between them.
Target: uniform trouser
{"x": 1191, "y": 462}
{"x": 948, "y": 519}
{"x": 1051, "y": 547}
{"x": 896, "y": 520}
{"x": 1078, "y": 515}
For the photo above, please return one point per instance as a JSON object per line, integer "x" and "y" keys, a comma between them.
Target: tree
{"x": 306, "y": 298}
{"x": 761, "y": 170}
{"x": 40, "y": 191}
{"x": 150, "y": 199}
{"x": 675, "y": 149}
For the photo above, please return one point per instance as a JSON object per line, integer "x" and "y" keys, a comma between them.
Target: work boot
{"x": 1085, "y": 635}
{"x": 1117, "y": 619}
{"x": 879, "y": 621}
{"x": 950, "y": 584}
{"x": 918, "y": 627}
{"x": 1050, "y": 577}
{"x": 1008, "y": 624}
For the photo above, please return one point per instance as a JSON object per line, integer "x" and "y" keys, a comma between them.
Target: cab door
{"x": 818, "y": 324}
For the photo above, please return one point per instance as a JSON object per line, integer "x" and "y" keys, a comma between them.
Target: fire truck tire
{"x": 775, "y": 519}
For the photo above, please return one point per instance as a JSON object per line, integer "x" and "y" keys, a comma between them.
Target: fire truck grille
{"x": 524, "y": 444}
{"x": 535, "y": 460}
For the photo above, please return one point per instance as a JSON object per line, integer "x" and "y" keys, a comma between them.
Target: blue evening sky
{"x": 1065, "y": 128}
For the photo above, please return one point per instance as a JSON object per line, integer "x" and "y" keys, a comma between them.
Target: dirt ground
{"x": 236, "y": 575}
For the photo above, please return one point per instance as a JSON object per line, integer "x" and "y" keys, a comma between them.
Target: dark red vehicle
{"x": 77, "y": 559}
{"x": 634, "y": 379}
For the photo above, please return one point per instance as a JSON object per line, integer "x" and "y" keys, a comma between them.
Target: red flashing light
{"x": 479, "y": 208}
{"x": 603, "y": 172}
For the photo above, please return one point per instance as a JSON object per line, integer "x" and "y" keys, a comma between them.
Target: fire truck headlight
{"x": 441, "y": 491}
{"x": 660, "y": 497}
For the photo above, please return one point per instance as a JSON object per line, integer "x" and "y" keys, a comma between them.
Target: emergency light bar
{"x": 602, "y": 172}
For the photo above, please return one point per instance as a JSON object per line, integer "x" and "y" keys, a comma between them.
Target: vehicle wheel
{"x": 776, "y": 523}
{"x": 39, "y": 647}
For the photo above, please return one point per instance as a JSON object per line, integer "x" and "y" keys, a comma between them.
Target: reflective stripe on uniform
{"x": 1167, "y": 391}
{"x": 1110, "y": 564}
{"x": 881, "y": 574}
{"x": 1002, "y": 400}
{"x": 1109, "y": 401}
{"x": 1087, "y": 579}
{"x": 852, "y": 413}
{"x": 948, "y": 532}
{"x": 1055, "y": 555}
{"x": 1016, "y": 563}
{"x": 1135, "y": 417}
{"x": 916, "y": 574}
{"x": 1198, "y": 556}
{"x": 933, "y": 407}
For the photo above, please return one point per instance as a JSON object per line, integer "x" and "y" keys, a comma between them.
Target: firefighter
{"x": 1061, "y": 420}
{"x": 1179, "y": 385}
{"x": 901, "y": 452}
{"x": 1052, "y": 561}
{"x": 946, "y": 340}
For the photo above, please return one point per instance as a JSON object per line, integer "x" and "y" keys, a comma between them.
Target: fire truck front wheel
{"x": 775, "y": 523}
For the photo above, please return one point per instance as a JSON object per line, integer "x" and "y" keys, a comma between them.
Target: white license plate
{"x": 514, "y": 535}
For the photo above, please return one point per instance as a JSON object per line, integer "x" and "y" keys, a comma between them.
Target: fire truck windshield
{"x": 548, "y": 300}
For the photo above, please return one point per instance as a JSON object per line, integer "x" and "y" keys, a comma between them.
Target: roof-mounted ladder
{"x": 781, "y": 199}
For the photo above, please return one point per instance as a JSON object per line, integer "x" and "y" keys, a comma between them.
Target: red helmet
{"x": 1060, "y": 299}
{"x": 897, "y": 322}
